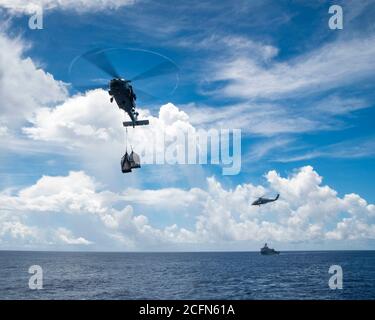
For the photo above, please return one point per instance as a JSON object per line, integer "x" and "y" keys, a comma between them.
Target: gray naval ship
{"x": 268, "y": 251}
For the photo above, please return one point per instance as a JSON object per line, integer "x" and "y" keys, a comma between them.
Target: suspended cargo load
{"x": 129, "y": 161}
{"x": 125, "y": 163}
{"x": 135, "y": 161}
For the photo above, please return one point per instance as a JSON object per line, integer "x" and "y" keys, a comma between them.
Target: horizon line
{"x": 165, "y": 251}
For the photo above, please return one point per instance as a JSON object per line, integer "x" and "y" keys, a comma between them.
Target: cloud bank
{"x": 308, "y": 211}
{"x": 24, "y": 86}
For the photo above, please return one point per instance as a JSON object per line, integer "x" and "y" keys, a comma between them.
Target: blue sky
{"x": 302, "y": 94}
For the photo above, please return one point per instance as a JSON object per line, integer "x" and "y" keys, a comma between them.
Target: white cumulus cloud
{"x": 67, "y": 237}
{"x": 26, "y": 6}
{"x": 307, "y": 211}
{"x": 24, "y": 86}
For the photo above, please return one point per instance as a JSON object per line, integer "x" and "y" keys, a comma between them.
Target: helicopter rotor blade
{"x": 163, "y": 68}
{"x": 91, "y": 87}
{"x": 143, "y": 95}
{"x": 99, "y": 58}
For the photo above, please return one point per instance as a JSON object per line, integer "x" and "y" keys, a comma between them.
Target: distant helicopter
{"x": 262, "y": 200}
{"x": 120, "y": 89}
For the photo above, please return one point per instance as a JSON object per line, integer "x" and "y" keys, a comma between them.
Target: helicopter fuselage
{"x": 121, "y": 91}
{"x": 262, "y": 200}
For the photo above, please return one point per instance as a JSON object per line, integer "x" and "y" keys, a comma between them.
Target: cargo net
{"x": 130, "y": 160}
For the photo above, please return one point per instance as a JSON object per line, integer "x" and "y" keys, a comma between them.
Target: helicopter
{"x": 122, "y": 92}
{"x": 120, "y": 89}
{"x": 262, "y": 200}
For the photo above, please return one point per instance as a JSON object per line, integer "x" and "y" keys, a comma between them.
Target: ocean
{"x": 203, "y": 275}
